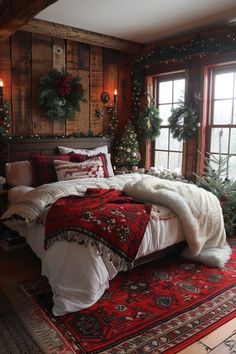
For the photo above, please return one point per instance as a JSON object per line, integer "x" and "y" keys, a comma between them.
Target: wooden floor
{"x": 21, "y": 264}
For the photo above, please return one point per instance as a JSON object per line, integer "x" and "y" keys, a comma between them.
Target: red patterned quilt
{"x": 107, "y": 218}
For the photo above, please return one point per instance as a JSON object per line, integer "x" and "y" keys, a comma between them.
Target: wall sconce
{"x": 1, "y": 92}
{"x": 105, "y": 97}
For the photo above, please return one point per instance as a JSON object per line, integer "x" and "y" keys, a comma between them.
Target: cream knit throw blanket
{"x": 198, "y": 210}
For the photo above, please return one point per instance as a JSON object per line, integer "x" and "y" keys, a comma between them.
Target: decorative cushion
{"x": 90, "y": 152}
{"x": 72, "y": 170}
{"x": 43, "y": 167}
{"x": 105, "y": 157}
{"x": 19, "y": 173}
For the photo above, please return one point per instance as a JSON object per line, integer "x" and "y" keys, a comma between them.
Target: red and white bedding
{"x": 79, "y": 275}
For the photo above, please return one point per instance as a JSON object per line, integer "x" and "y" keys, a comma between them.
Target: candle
{"x": 1, "y": 92}
{"x": 115, "y": 95}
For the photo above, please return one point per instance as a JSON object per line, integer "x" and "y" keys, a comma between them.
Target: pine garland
{"x": 183, "y": 122}
{"x": 60, "y": 95}
{"x": 185, "y": 51}
{"x": 5, "y": 119}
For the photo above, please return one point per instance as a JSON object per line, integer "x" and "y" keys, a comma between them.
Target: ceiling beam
{"x": 75, "y": 34}
{"x": 16, "y": 13}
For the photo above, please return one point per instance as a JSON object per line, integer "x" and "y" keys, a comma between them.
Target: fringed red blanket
{"x": 106, "y": 218}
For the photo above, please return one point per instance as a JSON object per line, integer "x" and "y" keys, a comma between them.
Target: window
{"x": 222, "y": 116}
{"x": 168, "y": 151}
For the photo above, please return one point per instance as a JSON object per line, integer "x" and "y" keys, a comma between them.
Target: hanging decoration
{"x": 180, "y": 52}
{"x": 60, "y": 95}
{"x": 149, "y": 123}
{"x": 5, "y": 119}
{"x": 183, "y": 122}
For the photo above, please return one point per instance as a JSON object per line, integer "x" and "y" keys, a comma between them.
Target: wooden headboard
{"x": 20, "y": 149}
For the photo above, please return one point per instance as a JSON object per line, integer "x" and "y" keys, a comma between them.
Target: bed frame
{"x": 19, "y": 149}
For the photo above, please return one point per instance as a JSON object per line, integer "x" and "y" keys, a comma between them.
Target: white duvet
{"x": 77, "y": 274}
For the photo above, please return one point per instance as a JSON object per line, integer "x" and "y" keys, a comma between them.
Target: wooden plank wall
{"x": 25, "y": 57}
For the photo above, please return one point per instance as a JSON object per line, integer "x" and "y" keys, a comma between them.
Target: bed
{"x": 80, "y": 272}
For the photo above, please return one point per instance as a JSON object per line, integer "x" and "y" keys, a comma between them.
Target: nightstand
{"x": 3, "y": 201}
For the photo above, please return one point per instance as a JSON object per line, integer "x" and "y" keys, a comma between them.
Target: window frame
{"x": 167, "y": 76}
{"x": 209, "y": 81}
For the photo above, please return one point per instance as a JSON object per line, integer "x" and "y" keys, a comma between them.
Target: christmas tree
{"x": 127, "y": 152}
{"x": 214, "y": 180}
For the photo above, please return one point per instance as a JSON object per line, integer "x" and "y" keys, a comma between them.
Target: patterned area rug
{"x": 160, "y": 307}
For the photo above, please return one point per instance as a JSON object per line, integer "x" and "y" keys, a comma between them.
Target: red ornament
{"x": 64, "y": 86}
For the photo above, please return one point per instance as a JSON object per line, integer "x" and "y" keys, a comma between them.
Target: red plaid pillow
{"x": 81, "y": 158}
{"x": 43, "y": 167}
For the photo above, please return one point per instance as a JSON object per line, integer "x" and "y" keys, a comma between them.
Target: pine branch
{"x": 214, "y": 181}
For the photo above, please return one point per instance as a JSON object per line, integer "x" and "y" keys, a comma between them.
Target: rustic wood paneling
{"x": 83, "y": 55}
{"x": 110, "y": 64}
{"x": 124, "y": 101}
{"x": 96, "y": 87}
{"x": 59, "y": 63}
{"x": 21, "y": 83}
{"x": 84, "y": 114}
{"x": 5, "y": 71}
{"x": 73, "y": 69}
{"x": 84, "y": 66}
{"x": 59, "y": 53}
{"x": 27, "y": 57}
{"x": 79, "y": 35}
{"x": 41, "y": 64}
{"x": 80, "y": 123}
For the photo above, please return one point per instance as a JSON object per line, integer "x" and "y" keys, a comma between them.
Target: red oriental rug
{"x": 159, "y": 307}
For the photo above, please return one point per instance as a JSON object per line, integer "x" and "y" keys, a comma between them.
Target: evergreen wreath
{"x": 183, "y": 122}
{"x": 60, "y": 95}
{"x": 5, "y": 119}
{"x": 149, "y": 122}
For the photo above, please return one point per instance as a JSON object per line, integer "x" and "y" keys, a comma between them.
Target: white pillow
{"x": 109, "y": 165}
{"x": 19, "y": 173}
{"x": 89, "y": 152}
{"x": 92, "y": 168}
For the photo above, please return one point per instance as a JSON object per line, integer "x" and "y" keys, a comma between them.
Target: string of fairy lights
{"x": 182, "y": 52}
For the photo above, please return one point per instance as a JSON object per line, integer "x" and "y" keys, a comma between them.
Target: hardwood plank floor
{"x": 21, "y": 263}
